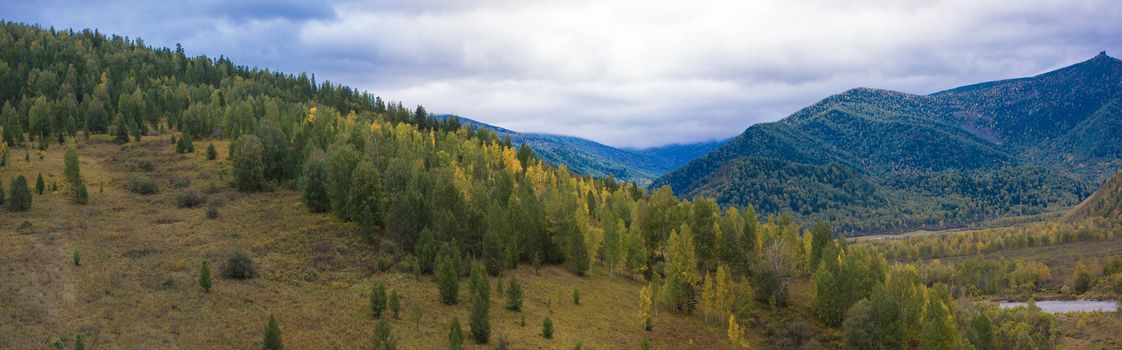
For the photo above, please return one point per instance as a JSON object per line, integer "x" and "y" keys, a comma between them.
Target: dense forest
{"x": 451, "y": 200}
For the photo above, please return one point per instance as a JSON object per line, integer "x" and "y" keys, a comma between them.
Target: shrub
{"x": 211, "y": 153}
{"x": 273, "y": 335}
{"x": 395, "y": 304}
{"x": 204, "y": 277}
{"x": 547, "y": 328}
{"x": 141, "y": 185}
{"x": 212, "y": 210}
{"x": 181, "y": 182}
{"x": 20, "y": 195}
{"x": 383, "y": 336}
{"x": 189, "y": 199}
{"x": 239, "y": 266}
{"x": 576, "y": 297}
{"x": 40, "y": 186}
{"x": 142, "y": 164}
{"x": 77, "y": 258}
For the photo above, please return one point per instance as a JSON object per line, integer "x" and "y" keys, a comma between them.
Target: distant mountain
{"x": 880, "y": 161}
{"x": 592, "y": 158}
{"x": 1104, "y": 203}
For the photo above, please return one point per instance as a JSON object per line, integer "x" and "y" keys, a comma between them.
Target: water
{"x": 1061, "y": 306}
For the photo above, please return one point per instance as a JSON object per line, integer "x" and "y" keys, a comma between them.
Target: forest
{"x": 444, "y": 201}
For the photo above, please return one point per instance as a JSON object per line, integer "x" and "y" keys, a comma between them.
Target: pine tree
{"x": 365, "y": 200}
{"x": 547, "y": 328}
{"x": 514, "y": 295}
{"x": 211, "y": 152}
{"x": 425, "y": 249}
{"x": 314, "y": 182}
{"x": 455, "y": 335}
{"x": 20, "y": 199}
{"x": 577, "y": 261}
{"x": 76, "y": 186}
{"x": 383, "y": 335}
{"x": 40, "y": 185}
{"x": 395, "y": 304}
{"x": 447, "y": 279}
{"x": 492, "y": 254}
{"x": 204, "y": 277}
{"x": 378, "y": 300}
{"x": 121, "y": 130}
{"x": 273, "y": 335}
{"x": 480, "y": 319}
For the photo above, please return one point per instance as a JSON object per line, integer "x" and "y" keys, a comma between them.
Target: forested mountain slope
{"x": 953, "y": 158}
{"x": 1104, "y": 203}
{"x": 584, "y": 156}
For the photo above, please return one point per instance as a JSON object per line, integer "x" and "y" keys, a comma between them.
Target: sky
{"x": 628, "y": 73}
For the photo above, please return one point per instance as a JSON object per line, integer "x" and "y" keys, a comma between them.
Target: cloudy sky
{"x": 632, "y": 73}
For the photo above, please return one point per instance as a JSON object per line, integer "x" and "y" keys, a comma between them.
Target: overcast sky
{"x": 625, "y": 73}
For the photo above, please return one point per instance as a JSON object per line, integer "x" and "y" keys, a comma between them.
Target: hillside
{"x": 953, "y": 158}
{"x": 1104, "y": 203}
{"x": 587, "y": 157}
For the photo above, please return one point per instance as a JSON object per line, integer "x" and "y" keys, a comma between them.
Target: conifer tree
{"x": 455, "y": 335}
{"x": 273, "y": 339}
{"x": 378, "y": 300}
{"x": 365, "y": 198}
{"x": 77, "y": 258}
{"x": 447, "y": 278}
{"x": 76, "y": 186}
{"x": 383, "y": 335}
{"x": 204, "y": 277}
{"x": 492, "y": 254}
{"x": 480, "y": 319}
{"x": 547, "y": 328}
{"x": 577, "y": 261}
{"x": 120, "y": 130}
{"x": 40, "y": 185}
{"x": 211, "y": 152}
{"x": 939, "y": 330}
{"x": 314, "y": 182}
{"x": 20, "y": 199}
{"x": 514, "y": 295}
{"x": 395, "y": 304}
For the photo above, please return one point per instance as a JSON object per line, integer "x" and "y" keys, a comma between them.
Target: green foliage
{"x": 378, "y": 300}
{"x": 78, "y": 343}
{"x": 939, "y": 328}
{"x": 314, "y": 183}
{"x": 340, "y": 164}
{"x": 981, "y": 333}
{"x": 273, "y": 339}
{"x": 239, "y": 266}
{"x": 841, "y": 282}
{"x": 492, "y": 254}
{"x": 514, "y": 295}
{"x": 140, "y": 184}
{"x": 547, "y": 328}
{"x": 204, "y": 277}
{"x": 576, "y": 297}
{"x": 448, "y": 277}
{"x": 821, "y": 236}
{"x": 40, "y": 185}
{"x": 248, "y": 168}
{"x": 455, "y": 335}
{"x": 480, "y": 320}
{"x": 184, "y": 144}
{"x": 364, "y": 204}
{"x": 1081, "y": 278}
{"x": 211, "y": 152}
{"x": 77, "y": 258}
{"x": 20, "y": 195}
{"x": 383, "y": 335}
{"x": 425, "y": 250}
{"x": 395, "y": 304}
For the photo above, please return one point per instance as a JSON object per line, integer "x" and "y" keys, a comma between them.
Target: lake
{"x": 1060, "y": 306}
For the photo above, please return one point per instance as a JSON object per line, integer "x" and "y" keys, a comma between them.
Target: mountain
{"x": 588, "y": 157}
{"x": 882, "y": 161}
{"x": 1105, "y": 203}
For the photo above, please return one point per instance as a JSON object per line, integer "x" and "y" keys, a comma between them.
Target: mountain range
{"x": 584, "y": 156}
{"x": 875, "y": 160}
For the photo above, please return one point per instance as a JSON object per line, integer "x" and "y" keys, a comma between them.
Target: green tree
{"x": 1081, "y": 278}
{"x": 547, "y": 328}
{"x": 13, "y": 131}
{"x": 40, "y": 120}
{"x": 447, "y": 277}
{"x": 939, "y": 328}
{"x": 577, "y": 261}
{"x": 211, "y": 152}
{"x": 275, "y": 154}
{"x": 514, "y": 295}
{"x": 425, "y": 249}
{"x": 365, "y": 203}
{"x": 204, "y": 277}
{"x": 981, "y": 332}
{"x": 576, "y": 297}
{"x": 378, "y": 300}
{"x": 480, "y": 319}
{"x": 20, "y": 199}
{"x": 455, "y": 335}
{"x": 340, "y": 164}
{"x": 314, "y": 183}
{"x": 77, "y": 258}
{"x": 273, "y": 335}
{"x": 248, "y": 169}
{"x": 857, "y": 330}
{"x": 120, "y": 129}
{"x": 383, "y": 335}
{"x": 97, "y": 118}
{"x": 492, "y": 254}
{"x": 76, "y": 186}
{"x": 395, "y": 304}
{"x": 821, "y": 236}
{"x": 40, "y": 185}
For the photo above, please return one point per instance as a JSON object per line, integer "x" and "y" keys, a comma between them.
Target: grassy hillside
{"x": 1104, "y": 203}
{"x": 137, "y": 284}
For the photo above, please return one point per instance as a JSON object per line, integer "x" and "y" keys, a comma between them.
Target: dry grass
{"x": 137, "y": 289}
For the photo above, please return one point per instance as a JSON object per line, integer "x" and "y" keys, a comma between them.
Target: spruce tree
{"x": 492, "y": 254}
{"x": 378, "y": 300}
{"x": 447, "y": 278}
{"x": 514, "y": 295}
{"x": 204, "y": 277}
{"x": 76, "y": 186}
{"x": 395, "y": 304}
{"x": 211, "y": 152}
{"x": 455, "y": 335}
{"x": 576, "y": 297}
{"x": 577, "y": 261}
{"x": 273, "y": 335}
{"x": 425, "y": 249}
{"x": 121, "y": 130}
{"x": 547, "y": 328}
{"x": 314, "y": 183}
{"x": 480, "y": 319}
{"x": 40, "y": 185}
{"x": 383, "y": 335}
{"x": 20, "y": 199}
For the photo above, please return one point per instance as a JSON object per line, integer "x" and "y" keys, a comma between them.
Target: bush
{"x": 141, "y": 185}
{"x": 189, "y": 199}
{"x": 239, "y": 266}
{"x": 273, "y": 335}
{"x": 142, "y": 163}
{"x": 378, "y": 300}
{"x": 212, "y": 210}
{"x": 547, "y": 328}
{"x": 395, "y": 304}
{"x": 181, "y": 182}
{"x": 20, "y": 199}
{"x": 576, "y": 297}
{"x": 211, "y": 153}
{"x": 204, "y": 277}
{"x": 383, "y": 336}
{"x": 39, "y": 184}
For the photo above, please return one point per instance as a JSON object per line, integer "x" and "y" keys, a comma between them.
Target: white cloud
{"x": 637, "y": 73}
